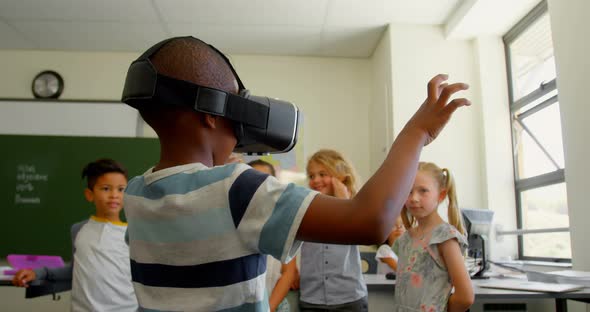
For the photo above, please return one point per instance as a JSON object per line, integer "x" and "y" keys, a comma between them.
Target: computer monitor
{"x": 478, "y": 224}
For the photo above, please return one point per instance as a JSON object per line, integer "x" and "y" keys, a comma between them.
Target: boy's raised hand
{"x": 434, "y": 113}
{"x": 23, "y": 277}
{"x": 369, "y": 216}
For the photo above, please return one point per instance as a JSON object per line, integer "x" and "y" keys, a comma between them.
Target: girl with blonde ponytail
{"x": 430, "y": 253}
{"x": 446, "y": 182}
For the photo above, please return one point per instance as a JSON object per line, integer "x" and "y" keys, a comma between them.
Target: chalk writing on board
{"x": 27, "y": 178}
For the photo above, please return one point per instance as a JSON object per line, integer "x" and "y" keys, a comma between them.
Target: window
{"x": 542, "y": 209}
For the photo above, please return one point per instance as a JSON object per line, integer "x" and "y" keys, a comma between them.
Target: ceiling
{"x": 348, "y": 28}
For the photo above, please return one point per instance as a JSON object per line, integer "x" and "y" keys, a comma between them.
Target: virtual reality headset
{"x": 262, "y": 125}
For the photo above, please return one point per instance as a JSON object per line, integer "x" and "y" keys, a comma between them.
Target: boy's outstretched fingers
{"x": 449, "y": 90}
{"x": 454, "y": 104}
{"x": 435, "y": 112}
{"x": 442, "y": 87}
{"x": 434, "y": 85}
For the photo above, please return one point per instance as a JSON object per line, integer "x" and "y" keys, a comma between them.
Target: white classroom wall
{"x": 497, "y": 168}
{"x": 381, "y": 110}
{"x": 572, "y": 58}
{"x": 572, "y": 51}
{"x": 418, "y": 54}
{"x": 87, "y": 75}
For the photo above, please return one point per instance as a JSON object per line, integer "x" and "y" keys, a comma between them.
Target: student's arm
{"x": 56, "y": 274}
{"x": 386, "y": 255}
{"x": 369, "y": 217}
{"x": 463, "y": 296}
{"x": 283, "y": 285}
{"x": 296, "y": 278}
{"x": 22, "y": 278}
{"x": 390, "y": 262}
{"x": 64, "y": 273}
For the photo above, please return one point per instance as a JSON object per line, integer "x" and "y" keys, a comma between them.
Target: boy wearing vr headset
{"x": 199, "y": 229}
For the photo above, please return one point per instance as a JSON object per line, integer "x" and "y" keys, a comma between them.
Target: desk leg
{"x": 560, "y": 305}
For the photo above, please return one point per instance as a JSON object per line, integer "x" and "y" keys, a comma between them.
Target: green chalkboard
{"x": 41, "y": 189}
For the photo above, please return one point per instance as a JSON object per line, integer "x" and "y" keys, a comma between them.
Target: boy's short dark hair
{"x": 260, "y": 162}
{"x": 92, "y": 171}
{"x": 192, "y": 60}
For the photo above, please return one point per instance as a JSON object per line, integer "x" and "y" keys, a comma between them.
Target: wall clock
{"x": 47, "y": 84}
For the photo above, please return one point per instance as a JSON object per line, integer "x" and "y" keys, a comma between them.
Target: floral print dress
{"x": 422, "y": 280}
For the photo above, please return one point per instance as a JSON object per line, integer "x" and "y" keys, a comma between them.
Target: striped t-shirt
{"x": 197, "y": 235}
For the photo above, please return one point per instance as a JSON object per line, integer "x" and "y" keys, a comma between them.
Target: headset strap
{"x": 211, "y": 101}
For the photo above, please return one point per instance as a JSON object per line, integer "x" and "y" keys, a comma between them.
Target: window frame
{"x": 547, "y": 179}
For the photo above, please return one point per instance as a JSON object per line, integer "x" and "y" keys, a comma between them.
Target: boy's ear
{"x": 210, "y": 121}
{"x": 89, "y": 195}
{"x": 442, "y": 195}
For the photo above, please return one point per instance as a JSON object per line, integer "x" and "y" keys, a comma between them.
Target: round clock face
{"x": 48, "y": 84}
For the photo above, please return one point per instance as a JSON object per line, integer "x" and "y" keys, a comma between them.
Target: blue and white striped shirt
{"x": 197, "y": 235}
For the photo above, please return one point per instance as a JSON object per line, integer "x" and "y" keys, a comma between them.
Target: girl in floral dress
{"x": 430, "y": 262}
